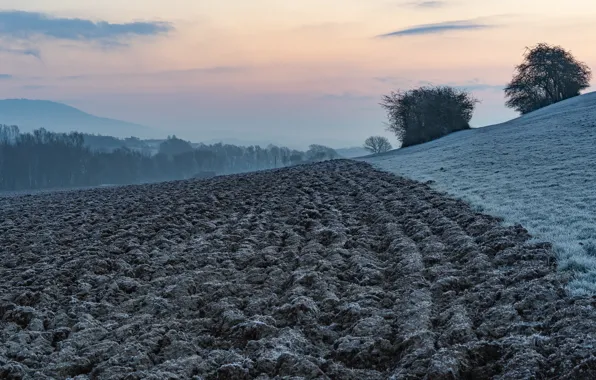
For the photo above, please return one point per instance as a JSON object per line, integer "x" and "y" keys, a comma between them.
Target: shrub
{"x": 427, "y": 113}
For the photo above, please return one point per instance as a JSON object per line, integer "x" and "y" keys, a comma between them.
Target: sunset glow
{"x": 294, "y": 71}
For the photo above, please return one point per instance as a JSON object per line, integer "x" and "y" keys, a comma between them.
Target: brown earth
{"x": 331, "y": 271}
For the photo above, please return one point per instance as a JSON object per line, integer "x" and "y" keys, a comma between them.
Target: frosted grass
{"x": 538, "y": 170}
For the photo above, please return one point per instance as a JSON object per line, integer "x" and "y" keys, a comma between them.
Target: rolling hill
{"x": 537, "y": 170}
{"x": 58, "y": 117}
{"x": 355, "y": 151}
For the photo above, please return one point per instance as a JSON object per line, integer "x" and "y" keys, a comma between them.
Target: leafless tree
{"x": 377, "y": 144}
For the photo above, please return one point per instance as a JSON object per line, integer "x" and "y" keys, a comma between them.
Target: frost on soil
{"x": 538, "y": 170}
{"x": 331, "y": 271}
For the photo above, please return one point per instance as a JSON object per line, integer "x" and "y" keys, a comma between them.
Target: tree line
{"x": 547, "y": 75}
{"x": 44, "y": 160}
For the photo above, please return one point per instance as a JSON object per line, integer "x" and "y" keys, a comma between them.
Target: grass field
{"x": 538, "y": 170}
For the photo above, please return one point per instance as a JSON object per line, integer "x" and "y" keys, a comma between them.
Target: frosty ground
{"x": 330, "y": 271}
{"x": 538, "y": 170}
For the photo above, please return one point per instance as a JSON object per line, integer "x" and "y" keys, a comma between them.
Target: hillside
{"x": 324, "y": 271}
{"x": 352, "y": 152}
{"x": 537, "y": 170}
{"x": 58, "y": 117}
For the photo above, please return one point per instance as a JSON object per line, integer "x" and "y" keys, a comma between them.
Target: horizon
{"x": 313, "y": 73}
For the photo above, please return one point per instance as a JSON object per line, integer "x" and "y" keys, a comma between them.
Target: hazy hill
{"x": 58, "y": 117}
{"x": 238, "y": 142}
{"x": 352, "y": 152}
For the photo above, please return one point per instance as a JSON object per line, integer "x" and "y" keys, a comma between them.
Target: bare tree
{"x": 427, "y": 113}
{"x": 377, "y": 144}
{"x": 547, "y": 75}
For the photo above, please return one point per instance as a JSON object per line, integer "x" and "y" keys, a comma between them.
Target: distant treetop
{"x": 174, "y": 146}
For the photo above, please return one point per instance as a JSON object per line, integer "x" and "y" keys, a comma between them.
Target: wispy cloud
{"x": 5, "y": 76}
{"x": 209, "y": 70}
{"x": 213, "y": 70}
{"x": 346, "y": 96}
{"x": 387, "y": 79}
{"x": 481, "y": 87}
{"x": 326, "y": 27}
{"x": 73, "y": 77}
{"x": 477, "y": 85}
{"x": 32, "y": 52}
{"x": 393, "y": 81}
{"x": 34, "y": 87}
{"x": 470, "y": 85}
{"x": 25, "y": 25}
{"x": 442, "y": 27}
{"x": 474, "y": 84}
{"x": 426, "y": 4}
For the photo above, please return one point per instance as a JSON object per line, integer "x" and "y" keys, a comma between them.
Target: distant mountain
{"x": 29, "y": 115}
{"x": 352, "y": 152}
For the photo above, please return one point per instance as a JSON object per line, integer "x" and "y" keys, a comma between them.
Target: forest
{"x": 48, "y": 160}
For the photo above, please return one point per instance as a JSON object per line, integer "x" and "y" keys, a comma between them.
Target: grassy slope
{"x": 538, "y": 170}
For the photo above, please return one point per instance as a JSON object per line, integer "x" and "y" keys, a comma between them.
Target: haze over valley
{"x": 314, "y": 73}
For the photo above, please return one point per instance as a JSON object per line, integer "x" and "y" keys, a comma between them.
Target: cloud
{"x": 469, "y": 85}
{"x": 32, "y": 52}
{"x": 5, "y": 76}
{"x": 345, "y": 96}
{"x": 387, "y": 79}
{"x": 326, "y": 27}
{"x": 73, "y": 77}
{"x": 476, "y": 84}
{"x": 209, "y": 70}
{"x": 393, "y": 80}
{"x": 213, "y": 70}
{"x": 25, "y": 25}
{"x": 441, "y": 27}
{"x": 481, "y": 87}
{"x": 34, "y": 87}
{"x": 427, "y": 4}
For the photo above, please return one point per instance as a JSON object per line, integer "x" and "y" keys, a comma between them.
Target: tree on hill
{"x": 174, "y": 146}
{"x": 427, "y": 113}
{"x": 548, "y": 74}
{"x": 377, "y": 144}
{"x": 317, "y": 152}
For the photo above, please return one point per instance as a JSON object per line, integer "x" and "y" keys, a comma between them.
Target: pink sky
{"x": 292, "y": 72}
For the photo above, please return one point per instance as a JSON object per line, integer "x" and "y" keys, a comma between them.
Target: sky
{"x": 285, "y": 71}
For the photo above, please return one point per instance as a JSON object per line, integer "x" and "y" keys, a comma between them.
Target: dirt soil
{"x": 327, "y": 271}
